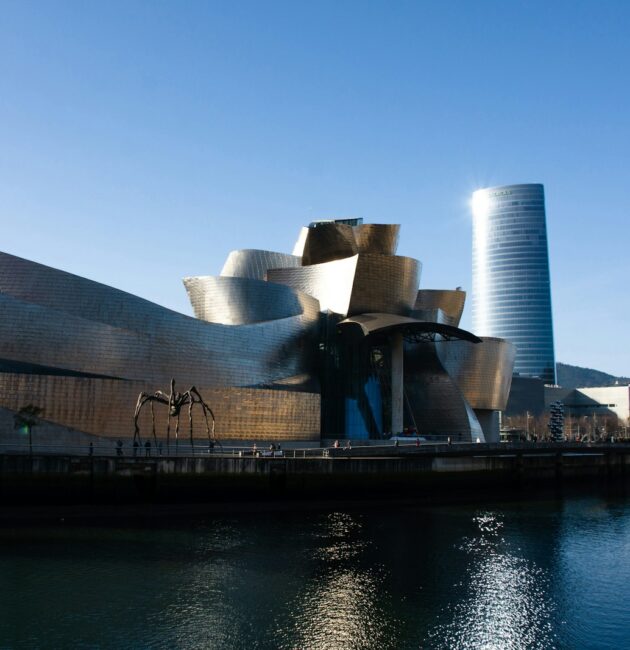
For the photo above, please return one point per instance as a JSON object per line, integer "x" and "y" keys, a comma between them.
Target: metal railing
{"x": 127, "y": 451}
{"x": 186, "y": 450}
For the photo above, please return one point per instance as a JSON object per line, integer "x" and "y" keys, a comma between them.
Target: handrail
{"x": 199, "y": 451}
{"x": 186, "y": 450}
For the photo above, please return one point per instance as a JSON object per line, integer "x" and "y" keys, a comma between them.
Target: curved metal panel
{"x": 483, "y": 372}
{"x": 43, "y": 285}
{"x": 362, "y": 325}
{"x": 327, "y": 242}
{"x": 237, "y": 301}
{"x": 190, "y": 350}
{"x": 384, "y": 283}
{"x": 431, "y": 315}
{"x": 358, "y": 284}
{"x": 254, "y": 264}
{"x": 70, "y": 323}
{"x": 330, "y": 282}
{"x": 451, "y": 302}
{"x": 298, "y": 249}
{"x": 436, "y": 403}
{"x": 379, "y": 238}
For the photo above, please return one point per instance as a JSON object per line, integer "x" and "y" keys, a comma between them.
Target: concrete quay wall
{"x": 73, "y": 479}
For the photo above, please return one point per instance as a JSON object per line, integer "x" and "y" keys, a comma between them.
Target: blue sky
{"x": 140, "y": 142}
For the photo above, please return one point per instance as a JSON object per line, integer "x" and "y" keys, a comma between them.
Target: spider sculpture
{"x": 175, "y": 402}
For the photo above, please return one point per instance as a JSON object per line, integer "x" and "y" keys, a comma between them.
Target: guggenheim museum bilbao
{"x": 332, "y": 341}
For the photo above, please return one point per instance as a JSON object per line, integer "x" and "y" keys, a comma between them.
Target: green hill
{"x": 576, "y": 377}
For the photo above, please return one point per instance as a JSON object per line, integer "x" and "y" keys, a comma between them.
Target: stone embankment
{"x": 431, "y": 472}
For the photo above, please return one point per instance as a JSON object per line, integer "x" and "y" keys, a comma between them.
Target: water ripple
{"x": 514, "y": 576}
{"x": 506, "y": 604}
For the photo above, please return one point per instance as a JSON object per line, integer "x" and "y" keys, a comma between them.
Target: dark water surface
{"x": 552, "y": 574}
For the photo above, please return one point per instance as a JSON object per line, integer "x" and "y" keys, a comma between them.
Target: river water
{"x": 547, "y": 574}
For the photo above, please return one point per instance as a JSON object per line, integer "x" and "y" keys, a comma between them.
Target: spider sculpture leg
{"x": 206, "y": 409}
{"x": 153, "y": 424}
{"x": 194, "y": 400}
{"x": 143, "y": 398}
{"x": 212, "y": 439}
{"x": 205, "y": 415}
{"x": 168, "y": 423}
{"x": 163, "y": 398}
{"x": 177, "y": 434}
{"x": 190, "y": 405}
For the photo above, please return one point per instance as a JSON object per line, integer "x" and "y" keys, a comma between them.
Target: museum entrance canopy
{"x": 357, "y": 328}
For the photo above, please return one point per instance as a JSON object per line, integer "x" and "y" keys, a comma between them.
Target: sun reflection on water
{"x": 339, "y": 607}
{"x": 532, "y": 575}
{"x": 505, "y": 603}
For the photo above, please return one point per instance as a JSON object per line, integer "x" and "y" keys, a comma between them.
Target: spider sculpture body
{"x": 175, "y": 402}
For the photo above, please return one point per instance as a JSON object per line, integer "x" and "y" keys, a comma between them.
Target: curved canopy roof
{"x": 412, "y": 329}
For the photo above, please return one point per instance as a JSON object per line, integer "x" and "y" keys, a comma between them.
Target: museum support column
{"x": 396, "y": 344}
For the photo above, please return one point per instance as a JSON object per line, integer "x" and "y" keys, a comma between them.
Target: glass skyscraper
{"x": 511, "y": 295}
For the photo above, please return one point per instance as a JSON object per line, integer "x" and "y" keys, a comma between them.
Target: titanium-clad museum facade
{"x": 511, "y": 284}
{"x": 333, "y": 341}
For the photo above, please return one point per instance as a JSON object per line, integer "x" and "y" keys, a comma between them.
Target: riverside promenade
{"x": 431, "y": 471}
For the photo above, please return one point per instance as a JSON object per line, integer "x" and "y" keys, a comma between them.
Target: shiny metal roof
{"x": 412, "y": 329}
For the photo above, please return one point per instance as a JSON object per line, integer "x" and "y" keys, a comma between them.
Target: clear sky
{"x": 140, "y": 142}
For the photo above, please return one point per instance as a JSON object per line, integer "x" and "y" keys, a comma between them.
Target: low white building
{"x": 596, "y": 401}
